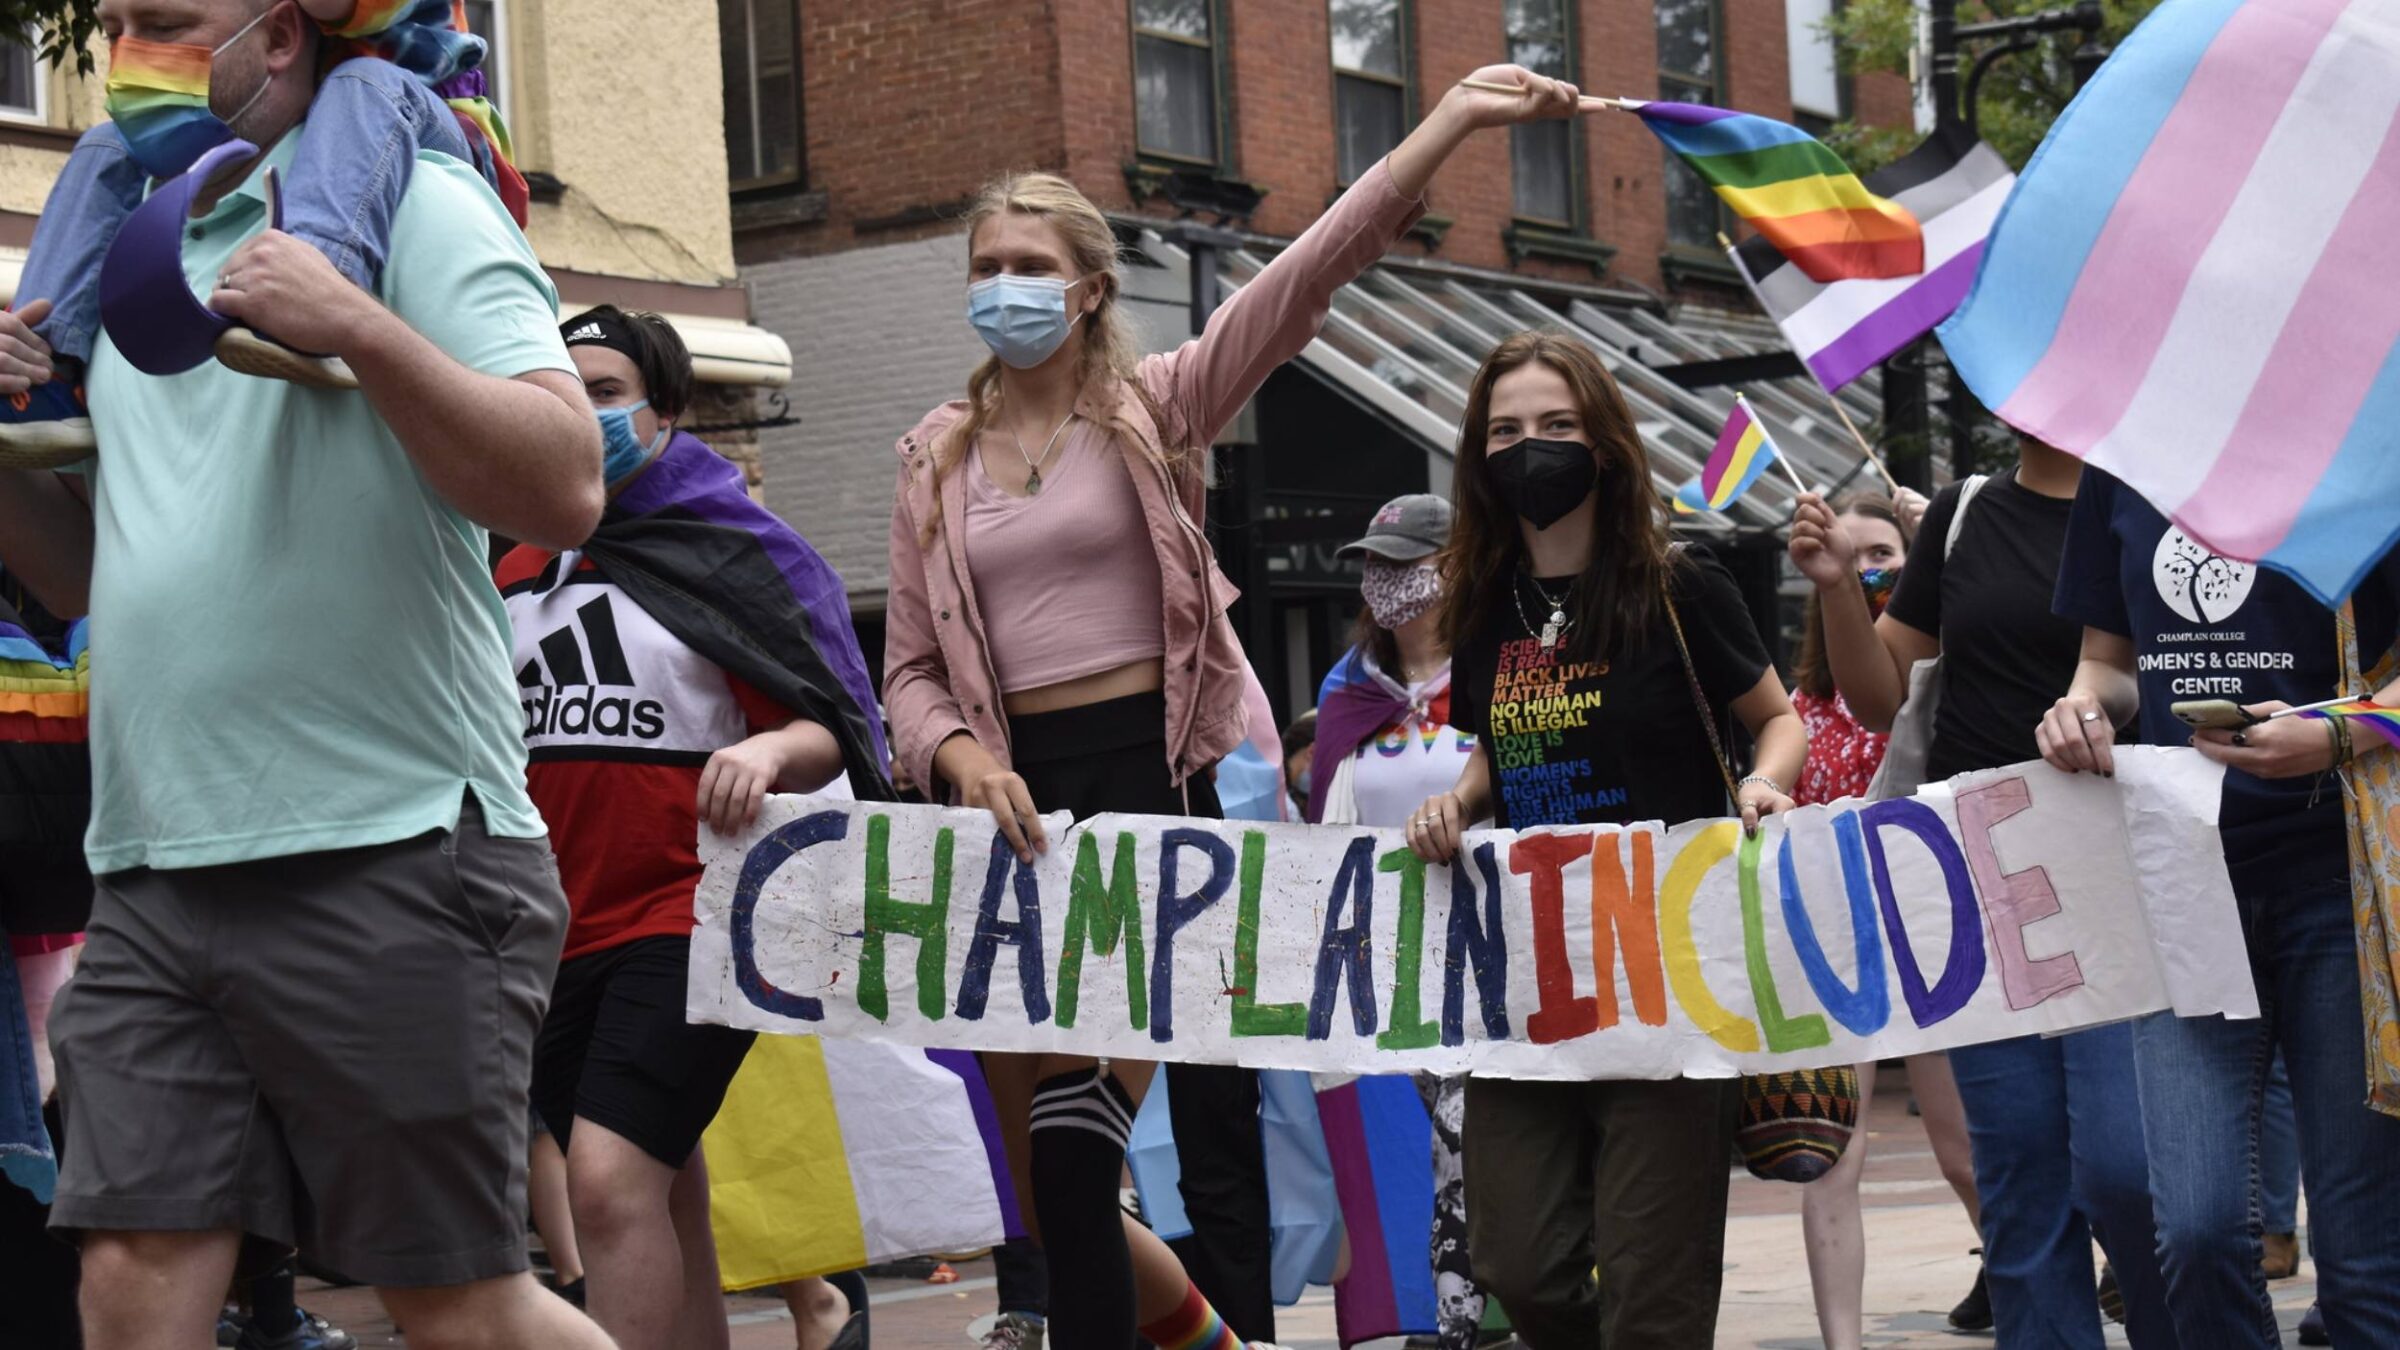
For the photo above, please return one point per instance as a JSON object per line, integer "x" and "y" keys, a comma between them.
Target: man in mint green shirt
{"x": 327, "y": 919}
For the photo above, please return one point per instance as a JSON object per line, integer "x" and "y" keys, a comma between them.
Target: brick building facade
{"x": 859, "y": 132}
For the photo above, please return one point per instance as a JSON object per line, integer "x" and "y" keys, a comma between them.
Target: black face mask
{"x": 1544, "y": 480}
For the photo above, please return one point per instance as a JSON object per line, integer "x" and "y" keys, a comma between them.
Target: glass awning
{"x": 1406, "y": 340}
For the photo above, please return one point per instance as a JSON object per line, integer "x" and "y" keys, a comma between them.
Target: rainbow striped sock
{"x": 1192, "y": 1326}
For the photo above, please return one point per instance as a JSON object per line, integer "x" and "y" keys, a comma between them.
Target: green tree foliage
{"x": 2021, "y": 94}
{"x": 64, "y": 29}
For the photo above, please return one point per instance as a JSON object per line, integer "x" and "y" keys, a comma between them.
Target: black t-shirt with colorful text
{"x": 2205, "y": 626}
{"x": 1611, "y": 741}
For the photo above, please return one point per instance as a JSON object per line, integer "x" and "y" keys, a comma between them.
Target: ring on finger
{"x": 2241, "y": 738}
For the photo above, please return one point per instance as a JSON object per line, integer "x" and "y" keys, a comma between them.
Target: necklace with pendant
{"x": 1553, "y": 628}
{"x": 1033, "y": 464}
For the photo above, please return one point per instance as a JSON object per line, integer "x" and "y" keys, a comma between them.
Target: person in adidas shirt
{"x": 648, "y": 715}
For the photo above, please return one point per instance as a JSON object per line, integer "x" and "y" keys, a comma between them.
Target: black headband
{"x": 599, "y": 330}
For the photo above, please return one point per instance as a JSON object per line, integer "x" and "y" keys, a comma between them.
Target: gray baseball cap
{"x": 1406, "y": 529}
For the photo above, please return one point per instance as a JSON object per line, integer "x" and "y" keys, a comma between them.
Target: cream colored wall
{"x": 620, "y": 101}
{"x": 624, "y": 103}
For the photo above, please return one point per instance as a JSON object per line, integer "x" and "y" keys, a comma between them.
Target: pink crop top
{"x": 1067, "y": 579}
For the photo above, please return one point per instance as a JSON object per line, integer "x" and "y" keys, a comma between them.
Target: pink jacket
{"x": 938, "y": 677}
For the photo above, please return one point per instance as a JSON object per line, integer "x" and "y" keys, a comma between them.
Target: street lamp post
{"x": 1907, "y": 405}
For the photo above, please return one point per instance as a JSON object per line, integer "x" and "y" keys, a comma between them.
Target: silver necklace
{"x": 1033, "y": 466}
{"x": 1556, "y": 626}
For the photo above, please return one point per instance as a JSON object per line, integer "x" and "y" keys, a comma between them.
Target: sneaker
{"x": 231, "y": 1323}
{"x": 1974, "y": 1312}
{"x": 311, "y": 1332}
{"x": 2112, "y": 1299}
{"x": 255, "y": 354}
{"x": 2281, "y": 1260}
{"x": 2312, "y": 1326}
{"x": 1007, "y": 1331}
{"x": 45, "y": 427}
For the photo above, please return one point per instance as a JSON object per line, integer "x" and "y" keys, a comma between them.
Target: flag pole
{"x": 1734, "y": 256}
{"x": 1785, "y": 460}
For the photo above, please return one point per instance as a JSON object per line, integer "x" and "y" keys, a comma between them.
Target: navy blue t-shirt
{"x": 2204, "y": 626}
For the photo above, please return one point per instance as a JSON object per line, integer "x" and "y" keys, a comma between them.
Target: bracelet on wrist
{"x": 1747, "y": 779}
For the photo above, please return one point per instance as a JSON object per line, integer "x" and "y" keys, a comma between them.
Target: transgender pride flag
{"x": 2192, "y": 286}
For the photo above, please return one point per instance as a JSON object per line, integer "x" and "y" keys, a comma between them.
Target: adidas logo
{"x": 590, "y": 332}
{"x": 567, "y": 702}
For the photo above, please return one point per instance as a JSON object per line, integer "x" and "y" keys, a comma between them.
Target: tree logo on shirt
{"x": 2199, "y": 584}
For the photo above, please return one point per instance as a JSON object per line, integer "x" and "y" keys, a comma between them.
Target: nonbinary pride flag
{"x": 1742, "y": 453}
{"x": 2192, "y": 286}
{"x": 1792, "y": 190}
{"x": 1952, "y": 183}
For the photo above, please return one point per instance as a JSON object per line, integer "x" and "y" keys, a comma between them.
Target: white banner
{"x": 2002, "y": 903}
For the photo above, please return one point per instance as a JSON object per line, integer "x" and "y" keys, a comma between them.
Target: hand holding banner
{"x": 1999, "y": 904}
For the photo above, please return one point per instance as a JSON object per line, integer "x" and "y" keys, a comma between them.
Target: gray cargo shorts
{"x": 330, "y": 1051}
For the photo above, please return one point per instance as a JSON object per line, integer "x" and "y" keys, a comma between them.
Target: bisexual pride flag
{"x": 1742, "y": 454}
{"x": 1792, "y": 190}
{"x": 2192, "y": 285}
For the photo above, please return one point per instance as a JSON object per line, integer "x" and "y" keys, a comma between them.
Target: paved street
{"x": 1917, "y": 1266}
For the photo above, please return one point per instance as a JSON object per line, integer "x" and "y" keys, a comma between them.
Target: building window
{"x": 1542, "y": 154}
{"x": 486, "y": 20}
{"x": 1688, "y": 72}
{"x": 759, "y": 41}
{"x": 1817, "y": 84}
{"x": 1370, "y": 80}
{"x": 23, "y": 91}
{"x": 1175, "y": 79}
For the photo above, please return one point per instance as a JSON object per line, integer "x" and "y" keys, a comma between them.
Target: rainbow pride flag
{"x": 831, "y": 1155}
{"x": 2192, "y": 288}
{"x": 1792, "y": 190}
{"x": 1743, "y": 452}
{"x": 2385, "y": 722}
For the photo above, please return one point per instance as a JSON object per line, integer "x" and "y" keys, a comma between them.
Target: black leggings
{"x": 1112, "y": 756}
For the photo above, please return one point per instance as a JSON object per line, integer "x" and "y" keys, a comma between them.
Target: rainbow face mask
{"x": 158, "y": 99}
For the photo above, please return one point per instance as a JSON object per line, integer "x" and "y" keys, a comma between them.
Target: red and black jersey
{"x": 620, "y": 719}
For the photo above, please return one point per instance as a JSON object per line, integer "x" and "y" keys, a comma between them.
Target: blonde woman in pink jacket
{"x": 1056, "y": 635}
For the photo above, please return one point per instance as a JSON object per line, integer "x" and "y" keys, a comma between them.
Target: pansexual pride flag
{"x": 2364, "y": 713}
{"x": 1792, "y": 190}
{"x": 2192, "y": 286}
{"x": 1743, "y": 452}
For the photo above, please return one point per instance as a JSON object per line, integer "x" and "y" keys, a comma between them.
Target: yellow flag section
{"x": 831, "y": 1155}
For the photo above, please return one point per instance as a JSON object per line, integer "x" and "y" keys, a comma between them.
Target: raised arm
{"x": 1870, "y": 658}
{"x": 1278, "y": 312}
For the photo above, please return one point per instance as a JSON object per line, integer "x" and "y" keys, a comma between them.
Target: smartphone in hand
{"x": 2222, "y": 714}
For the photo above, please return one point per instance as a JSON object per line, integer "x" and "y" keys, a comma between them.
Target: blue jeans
{"x": 348, "y": 172}
{"x": 2058, "y": 1162}
{"x": 2203, "y": 1086}
{"x": 2278, "y": 1156}
{"x": 25, "y": 1156}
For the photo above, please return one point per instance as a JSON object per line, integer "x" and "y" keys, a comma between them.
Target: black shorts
{"x": 616, "y": 1051}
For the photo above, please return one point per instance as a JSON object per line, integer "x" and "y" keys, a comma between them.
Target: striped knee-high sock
{"x": 1192, "y": 1326}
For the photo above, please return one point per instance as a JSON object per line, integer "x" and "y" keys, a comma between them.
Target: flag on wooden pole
{"x": 1792, "y": 190}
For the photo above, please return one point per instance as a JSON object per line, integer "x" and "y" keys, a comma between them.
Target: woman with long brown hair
{"x": 1056, "y": 634}
{"x": 1594, "y": 662}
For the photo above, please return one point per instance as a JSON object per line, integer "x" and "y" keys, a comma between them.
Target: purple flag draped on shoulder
{"x": 736, "y": 584}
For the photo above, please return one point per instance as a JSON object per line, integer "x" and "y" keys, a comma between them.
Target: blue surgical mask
{"x": 1022, "y": 319}
{"x": 622, "y": 452}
